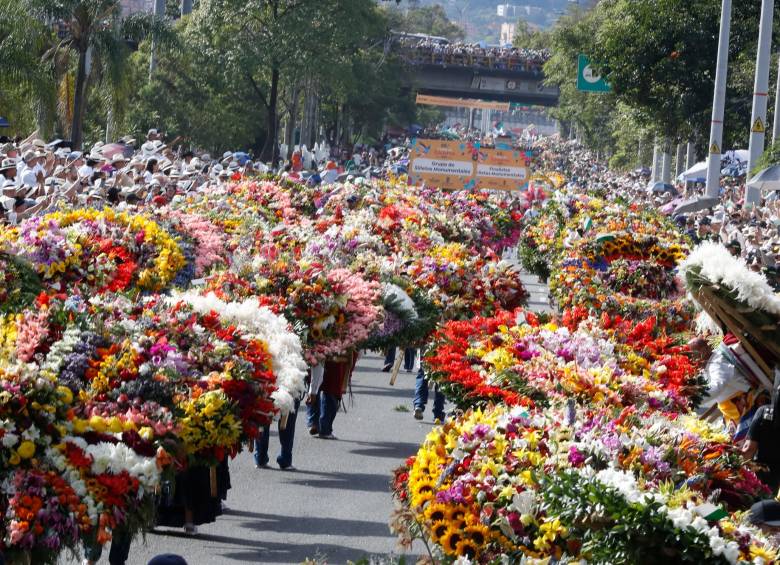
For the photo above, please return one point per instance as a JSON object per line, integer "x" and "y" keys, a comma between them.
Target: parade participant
{"x": 421, "y": 393}
{"x": 328, "y": 384}
{"x": 286, "y": 441}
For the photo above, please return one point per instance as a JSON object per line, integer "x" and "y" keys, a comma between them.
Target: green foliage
{"x": 431, "y": 20}
{"x": 770, "y": 157}
{"x": 20, "y": 284}
{"x": 659, "y": 57}
{"x": 530, "y": 37}
{"x": 616, "y": 531}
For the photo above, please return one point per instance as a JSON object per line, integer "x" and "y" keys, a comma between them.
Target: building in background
{"x": 135, "y": 6}
{"x": 508, "y": 31}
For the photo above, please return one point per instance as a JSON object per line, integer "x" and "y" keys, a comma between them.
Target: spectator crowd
{"x": 430, "y": 51}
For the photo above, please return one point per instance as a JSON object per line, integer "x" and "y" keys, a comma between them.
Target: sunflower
{"x": 421, "y": 497}
{"x": 438, "y": 530}
{"x": 450, "y": 540}
{"x": 436, "y": 511}
{"x": 456, "y": 512}
{"x": 467, "y": 548}
{"x": 478, "y": 533}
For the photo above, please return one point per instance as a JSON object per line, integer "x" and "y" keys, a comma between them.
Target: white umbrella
{"x": 697, "y": 173}
{"x": 767, "y": 180}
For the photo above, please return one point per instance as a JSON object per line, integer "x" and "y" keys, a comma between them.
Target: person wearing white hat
{"x": 8, "y": 168}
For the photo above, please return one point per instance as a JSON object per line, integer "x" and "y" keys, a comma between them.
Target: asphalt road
{"x": 336, "y": 504}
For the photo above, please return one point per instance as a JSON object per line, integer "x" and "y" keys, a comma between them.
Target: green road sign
{"x": 587, "y": 79}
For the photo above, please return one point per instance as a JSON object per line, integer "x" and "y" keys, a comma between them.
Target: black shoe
{"x": 418, "y": 413}
{"x": 387, "y": 367}
{"x": 313, "y": 431}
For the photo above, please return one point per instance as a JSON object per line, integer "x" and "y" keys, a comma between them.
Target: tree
{"x": 529, "y": 37}
{"x": 92, "y": 29}
{"x": 430, "y": 20}
{"x": 265, "y": 42}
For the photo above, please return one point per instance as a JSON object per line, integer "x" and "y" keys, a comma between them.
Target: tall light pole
{"x": 760, "y": 95}
{"x": 718, "y": 104}
{"x": 776, "y": 128}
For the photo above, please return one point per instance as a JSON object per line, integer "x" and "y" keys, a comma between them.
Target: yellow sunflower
{"x": 439, "y": 530}
{"x": 456, "y": 512}
{"x": 478, "y": 533}
{"x": 450, "y": 540}
{"x": 436, "y": 511}
{"x": 467, "y": 548}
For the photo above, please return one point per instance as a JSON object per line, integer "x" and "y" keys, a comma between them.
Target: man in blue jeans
{"x": 286, "y": 439}
{"x": 421, "y": 398}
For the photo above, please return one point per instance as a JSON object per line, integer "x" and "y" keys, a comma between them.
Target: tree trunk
{"x": 271, "y": 147}
{"x": 79, "y": 101}
{"x": 290, "y": 130}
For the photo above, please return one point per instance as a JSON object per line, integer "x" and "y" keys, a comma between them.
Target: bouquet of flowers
{"x": 97, "y": 251}
{"x": 516, "y": 484}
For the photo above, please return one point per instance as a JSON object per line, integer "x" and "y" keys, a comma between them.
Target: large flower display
{"x": 578, "y": 441}
{"x": 138, "y": 345}
{"x": 506, "y": 483}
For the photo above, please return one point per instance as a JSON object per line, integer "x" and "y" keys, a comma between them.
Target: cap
{"x": 765, "y": 512}
{"x": 167, "y": 559}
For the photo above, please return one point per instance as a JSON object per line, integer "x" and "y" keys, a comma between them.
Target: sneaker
{"x": 261, "y": 465}
{"x": 418, "y": 413}
{"x": 287, "y": 468}
{"x": 313, "y": 431}
{"x": 326, "y": 436}
{"x": 387, "y": 367}
{"x": 190, "y": 529}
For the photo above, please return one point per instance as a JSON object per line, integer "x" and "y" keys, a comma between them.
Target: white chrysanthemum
{"x": 283, "y": 345}
{"x": 720, "y": 267}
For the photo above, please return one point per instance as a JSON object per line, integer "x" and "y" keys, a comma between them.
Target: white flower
{"x": 10, "y": 439}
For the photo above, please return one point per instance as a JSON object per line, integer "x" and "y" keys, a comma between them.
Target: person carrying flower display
{"x": 421, "y": 393}
{"x": 329, "y": 381}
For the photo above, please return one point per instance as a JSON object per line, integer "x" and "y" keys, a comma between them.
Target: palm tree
{"x": 93, "y": 29}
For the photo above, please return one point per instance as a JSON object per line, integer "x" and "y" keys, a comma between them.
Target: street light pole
{"x": 760, "y": 95}
{"x": 776, "y": 128}
{"x": 718, "y": 104}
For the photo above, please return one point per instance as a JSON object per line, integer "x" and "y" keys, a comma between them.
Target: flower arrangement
{"x": 508, "y": 483}
{"x": 102, "y": 251}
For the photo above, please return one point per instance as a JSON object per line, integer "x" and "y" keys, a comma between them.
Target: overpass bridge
{"x": 500, "y": 79}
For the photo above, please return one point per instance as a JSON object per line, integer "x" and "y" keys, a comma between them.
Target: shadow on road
{"x": 368, "y": 482}
{"x": 253, "y": 551}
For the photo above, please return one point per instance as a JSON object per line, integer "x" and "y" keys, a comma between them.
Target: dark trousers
{"x": 286, "y": 440}
{"x": 409, "y": 356}
{"x": 120, "y": 548}
{"x": 322, "y": 411}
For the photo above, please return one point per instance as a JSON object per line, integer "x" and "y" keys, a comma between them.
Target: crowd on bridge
{"x": 430, "y": 51}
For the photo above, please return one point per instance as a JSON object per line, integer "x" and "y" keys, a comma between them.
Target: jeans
{"x": 410, "y": 355}
{"x": 421, "y": 396}
{"x": 286, "y": 440}
{"x": 322, "y": 411}
{"x": 120, "y": 548}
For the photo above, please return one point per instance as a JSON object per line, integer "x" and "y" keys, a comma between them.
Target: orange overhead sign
{"x": 462, "y": 165}
{"x": 431, "y": 100}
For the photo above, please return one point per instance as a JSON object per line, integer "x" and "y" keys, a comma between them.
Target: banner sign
{"x": 461, "y": 103}
{"x": 462, "y": 165}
